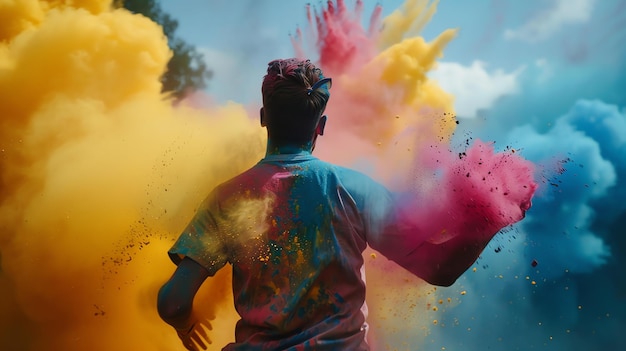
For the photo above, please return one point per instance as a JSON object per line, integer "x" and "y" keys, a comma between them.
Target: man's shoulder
{"x": 351, "y": 173}
{"x": 341, "y": 171}
{"x": 245, "y": 179}
{"x": 355, "y": 180}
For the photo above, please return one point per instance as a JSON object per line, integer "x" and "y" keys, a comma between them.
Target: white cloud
{"x": 552, "y": 19}
{"x": 473, "y": 87}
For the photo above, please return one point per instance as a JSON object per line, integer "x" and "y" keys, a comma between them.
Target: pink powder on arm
{"x": 487, "y": 191}
{"x": 477, "y": 194}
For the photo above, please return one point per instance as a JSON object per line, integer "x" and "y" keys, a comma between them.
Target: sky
{"x": 99, "y": 171}
{"x": 545, "y": 76}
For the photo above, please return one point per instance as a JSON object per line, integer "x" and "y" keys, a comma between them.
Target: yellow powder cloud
{"x": 99, "y": 173}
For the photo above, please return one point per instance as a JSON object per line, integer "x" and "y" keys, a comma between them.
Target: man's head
{"x": 292, "y": 101}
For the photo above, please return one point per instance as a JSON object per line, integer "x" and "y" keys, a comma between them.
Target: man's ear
{"x": 321, "y": 125}
{"x": 262, "y": 117}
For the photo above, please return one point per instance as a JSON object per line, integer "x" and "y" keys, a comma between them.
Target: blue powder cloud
{"x": 605, "y": 124}
{"x": 575, "y": 173}
{"x": 552, "y": 283}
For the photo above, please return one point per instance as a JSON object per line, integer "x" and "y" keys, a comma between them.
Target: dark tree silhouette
{"x": 186, "y": 70}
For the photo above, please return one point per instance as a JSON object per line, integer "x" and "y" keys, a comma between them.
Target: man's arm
{"x": 440, "y": 244}
{"x": 175, "y": 299}
{"x": 439, "y": 235}
{"x": 443, "y": 263}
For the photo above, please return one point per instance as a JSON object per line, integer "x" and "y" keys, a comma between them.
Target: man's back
{"x": 294, "y": 229}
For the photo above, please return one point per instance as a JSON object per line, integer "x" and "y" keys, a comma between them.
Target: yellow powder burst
{"x": 388, "y": 106}
{"x": 99, "y": 173}
{"x": 408, "y": 20}
{"x": 395, "y": 84}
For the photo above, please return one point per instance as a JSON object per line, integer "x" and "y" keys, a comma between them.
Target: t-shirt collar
{"x": 301, "y": 155}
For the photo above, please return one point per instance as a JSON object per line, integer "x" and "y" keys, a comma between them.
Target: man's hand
{"x": 196, "y": 338}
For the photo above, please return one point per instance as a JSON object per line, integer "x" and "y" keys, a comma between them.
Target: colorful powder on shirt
{"x": 99, "y": 173}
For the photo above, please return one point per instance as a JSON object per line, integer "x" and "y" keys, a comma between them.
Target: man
{"x": 294, "y": 229}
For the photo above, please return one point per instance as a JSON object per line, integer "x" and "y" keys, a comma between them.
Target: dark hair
{"x": 292, "y": 109}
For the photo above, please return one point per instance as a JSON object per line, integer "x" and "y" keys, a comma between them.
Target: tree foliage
{"x": 186, "y": 70}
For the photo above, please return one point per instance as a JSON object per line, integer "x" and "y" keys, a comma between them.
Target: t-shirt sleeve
{"x": 389, "y": 226}
{"x": 201, "y": 240}
{"x": 375, "y": 216}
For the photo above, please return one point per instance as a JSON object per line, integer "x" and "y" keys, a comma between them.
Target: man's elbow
{"x": 442, "y": 274}
{"x": 444, "y": 280}
{"x": 171, "y": 308}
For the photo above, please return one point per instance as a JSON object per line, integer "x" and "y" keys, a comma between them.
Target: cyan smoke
{"x": 559, "y": 229}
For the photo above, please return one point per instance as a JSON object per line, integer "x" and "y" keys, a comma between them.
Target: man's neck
{"x": 274, "y": 148}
